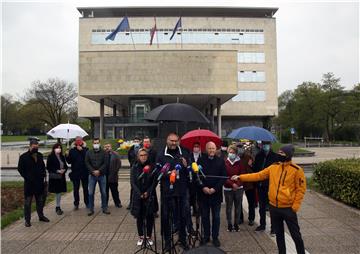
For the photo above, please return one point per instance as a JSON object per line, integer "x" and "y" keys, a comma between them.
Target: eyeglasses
{"x": 143, "y": 155}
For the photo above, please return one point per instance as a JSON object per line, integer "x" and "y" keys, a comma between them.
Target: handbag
{"x": 54, "y": 175}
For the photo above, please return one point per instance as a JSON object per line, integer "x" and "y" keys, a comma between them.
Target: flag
{"x": 152, "y": 32}
{"x": 123, "y": 26}
{"x": 178, "y": 24}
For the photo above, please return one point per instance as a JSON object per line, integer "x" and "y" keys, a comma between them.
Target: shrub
{"x": 339, "y": 179}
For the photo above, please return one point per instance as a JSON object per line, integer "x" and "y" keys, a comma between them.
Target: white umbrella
{"x": 67, "y": 131}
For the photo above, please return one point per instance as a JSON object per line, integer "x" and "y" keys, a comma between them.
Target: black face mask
{"x": 282, "y": 158}
{"x": 34, "y": 150}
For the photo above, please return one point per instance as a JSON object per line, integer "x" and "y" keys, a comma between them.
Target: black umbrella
{"x": 176, "y": 112}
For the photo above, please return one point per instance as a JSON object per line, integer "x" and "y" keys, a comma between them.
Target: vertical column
{"x": 218, "y": 107}
{"x": 102, "y": 109}
{"x": 212, "y": 117}
{"x": 114, "y": 115}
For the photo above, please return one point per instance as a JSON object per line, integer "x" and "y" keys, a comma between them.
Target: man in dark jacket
{"x": 114, "y": 165}
{"x": 264, "y": 159}
{"x": 79, "y": 172}
{"x": 211, "y": 192}
{"x": 174, "y": 194}
{"x": 96, "y": 162}
{"x": 32, "y": 168}
{"x": 132, "y": 155}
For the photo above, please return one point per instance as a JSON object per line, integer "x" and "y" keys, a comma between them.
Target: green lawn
{"x": 19, "y": 138}
{"x": 18, "y": 213}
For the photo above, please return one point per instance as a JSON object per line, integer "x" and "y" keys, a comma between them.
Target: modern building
{"x": 222, "y": 61}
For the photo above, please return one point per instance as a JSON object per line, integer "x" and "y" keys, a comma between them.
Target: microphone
{"x": 163, "y": 170}
{"x": 201, "y": 171}
{"x": 172, "y": 179}
{"x": 146, "y": 170}
{"x": 195, "y": 168}
{"x": 178, "y": 168}
{"x": 190, "y": 173}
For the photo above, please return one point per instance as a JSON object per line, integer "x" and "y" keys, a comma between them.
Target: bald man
{"x": 211, "y": 193}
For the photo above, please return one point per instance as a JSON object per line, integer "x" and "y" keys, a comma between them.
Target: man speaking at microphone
{"x": 211, "y": 192}
{"x": 174, "y": 190}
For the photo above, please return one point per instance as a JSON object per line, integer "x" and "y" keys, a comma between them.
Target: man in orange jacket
{"x": 287, "y": 188}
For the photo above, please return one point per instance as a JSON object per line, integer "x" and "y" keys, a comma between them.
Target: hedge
{"x": 339, "y": 179}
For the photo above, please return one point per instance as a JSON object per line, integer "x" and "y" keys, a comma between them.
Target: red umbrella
{"x": 201, "y": 136}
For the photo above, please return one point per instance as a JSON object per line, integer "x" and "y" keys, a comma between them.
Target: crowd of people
{"x": 193, "y": 183}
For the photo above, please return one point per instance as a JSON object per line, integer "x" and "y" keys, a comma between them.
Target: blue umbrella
{"x": 252, "y": 133}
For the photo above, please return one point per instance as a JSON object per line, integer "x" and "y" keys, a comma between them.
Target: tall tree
{"x": 55, "y": 97}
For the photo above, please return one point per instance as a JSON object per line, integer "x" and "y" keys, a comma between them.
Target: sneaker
{"x": 58, "y": 211}
{"x": 149, "y": 241}
{"x": 44, "y": 219}
{"x": 90, "y": 213}
{"x": 216, "y": 242}
{"x": 251, "y": 223}
{"x": 27, "y": 224}
{"x": 229, "y": 228}
{"x": 204, "y": 241}
{"x": 236, "y": 227}
{"x": 106, "y": 211}
{"x": 260, "y": 228}
{"x": 128, "y": 207}
{"x": 140, "y": 241}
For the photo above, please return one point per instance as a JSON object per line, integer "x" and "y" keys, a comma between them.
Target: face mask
{"x": 196, "y": 150}
{"x": 57, "y": 150}
{"x": 136, "y": 145}
{"x": 266, "y": 148}
{"x": 211, "y": 157}
{"x": 281, "y": 158}
{"x": 232, "y": 156}
{"x": 78, "y": 142}
{"x": 96, "y": 146}
{"x": 146, "y": 146}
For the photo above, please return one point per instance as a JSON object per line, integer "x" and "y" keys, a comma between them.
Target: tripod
{"x": 196, "y": 236}
{"x": 171, "y": 204}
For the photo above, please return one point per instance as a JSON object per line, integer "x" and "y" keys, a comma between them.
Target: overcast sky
{"x": 40, "y": 39}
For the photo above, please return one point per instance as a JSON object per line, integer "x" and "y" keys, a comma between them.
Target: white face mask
{"x": 57, "y": 150}
{"x": 96, "y": 146}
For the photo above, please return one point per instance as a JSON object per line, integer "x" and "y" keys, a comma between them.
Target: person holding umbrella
{"x": 79, "y": 172}
{"x": 57, "y": 167}
{"x": 287, "y": 186}
{"x": 31, "y": 167}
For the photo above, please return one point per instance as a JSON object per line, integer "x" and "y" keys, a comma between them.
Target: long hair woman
{"x": 57, "y": 168}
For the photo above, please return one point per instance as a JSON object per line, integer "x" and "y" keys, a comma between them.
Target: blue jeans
{"x": 102, "y": 184}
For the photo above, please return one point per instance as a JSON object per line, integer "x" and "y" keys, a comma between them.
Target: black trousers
{"x": 147, "y": 218}
{"x": 278, "y": 216}
{"x": 250, "y": 196}
{"x": 39, "y": 199}
{"x": 76, "y": 187}
{"x": 173, "y": 209}
{"x": 114, "y": 192}
{"x": 263, "y": 203}
{"x": 215, "y": 209}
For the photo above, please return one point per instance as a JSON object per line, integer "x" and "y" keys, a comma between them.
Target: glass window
{"x": 251, "y": 76}
{"x": 249, "y": 96}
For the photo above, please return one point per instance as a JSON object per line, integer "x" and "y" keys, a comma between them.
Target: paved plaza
{"x": 327, "y": 227}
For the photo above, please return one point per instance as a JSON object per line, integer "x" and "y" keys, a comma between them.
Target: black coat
{"x": 33, "y": 172}
{"x": 180, "y": 187}
{"x": 52, "y": 165}
{"x": 139, "y": 186}
{"x": 77, "y": 160}
{"x": 114, "y": 166}
{"x": 263, "y": 160}
{"x": 132, "y": 155}
{"x": 215, "y": 167}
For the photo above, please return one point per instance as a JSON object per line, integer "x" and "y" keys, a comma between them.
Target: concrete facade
{"x": 192, "y": 72}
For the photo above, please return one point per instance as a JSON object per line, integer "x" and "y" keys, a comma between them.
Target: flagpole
{"x": 181, "y": 33}
{"x": 157, "y": 36}
{"x": 132, "y": 39}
